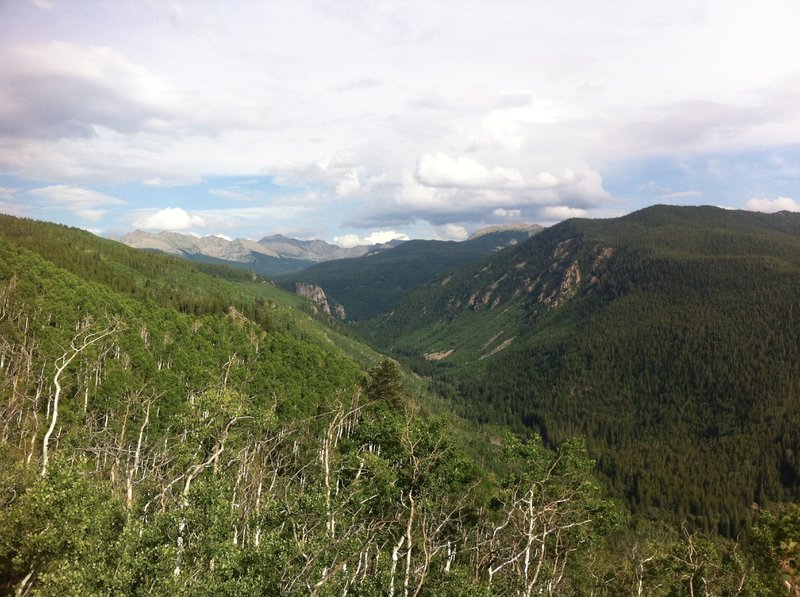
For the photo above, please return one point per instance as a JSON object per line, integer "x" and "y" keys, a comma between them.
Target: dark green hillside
{"x": 369, "y": 285}
{"x": 670, "y": 338}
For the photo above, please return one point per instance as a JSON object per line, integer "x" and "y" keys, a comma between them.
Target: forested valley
{"x": 181, "y": 428}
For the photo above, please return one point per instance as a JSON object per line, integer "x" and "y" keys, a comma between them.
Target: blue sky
{"x": 366, "y": 120}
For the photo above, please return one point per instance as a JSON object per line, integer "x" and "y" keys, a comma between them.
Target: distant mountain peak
{"x": 272, "y": 255}
{"x": 515, "y": 227}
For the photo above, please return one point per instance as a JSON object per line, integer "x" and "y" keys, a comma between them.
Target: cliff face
{"x": 316, "y": 295}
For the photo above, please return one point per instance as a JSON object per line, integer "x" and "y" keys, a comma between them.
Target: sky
{"x": 364, "y": 120}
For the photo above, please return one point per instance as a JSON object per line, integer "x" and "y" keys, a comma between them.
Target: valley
{"x": 604, "y": 397}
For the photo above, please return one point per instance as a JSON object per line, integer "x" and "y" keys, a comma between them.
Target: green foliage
{"x": 205, "y": 450}
{"x": 385, "y": 383}
{"x": 62, "y": 529}
{"x": 668, "y": 338}
{"x": 776, "y": 543}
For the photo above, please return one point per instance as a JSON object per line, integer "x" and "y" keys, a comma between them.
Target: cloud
{"x": 506, "y": 185}
{"x": 13, "y": 209}
{"x": 233, "y": 195}
{"x": 507, "y": 213}
{"x": 682, "y": 195}
{"x": 412, "y": 200}
{"x": 472, "y": 207}
{"x": 772, "y": 205}
{"x": 359, "y": 84}
{"x": 82, "y": 202}
{"x": 440, "y": 170}
{"x": 337, "y": 173}
{"x": 100, "y": 87}
{"x": 698, "y": 125}
{"x": 250, "y": 221}
{"x": 95, "y": 86}
{"x": 451, "y": 232}
{"x": 347, "y": 184}
{"x": 170, "y": 218}
{"x": 382, "y": 236}
{"x": 562, "y": 212}
{"x": 431, "y": 122}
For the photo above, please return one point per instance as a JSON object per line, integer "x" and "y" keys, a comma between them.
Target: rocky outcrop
{"x": 565, "y": 275}
{"x": 316, "y": 295}
{"x": 437, "y": 356}
{"x": 502, "y": 346}
{"x": 562, "y": 288}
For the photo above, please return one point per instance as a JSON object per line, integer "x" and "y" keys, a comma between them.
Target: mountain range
{"x": 278, "y": 255}
{"x": 272, "y": 255}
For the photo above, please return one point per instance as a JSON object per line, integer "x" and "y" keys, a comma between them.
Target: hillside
{"x": 364, "y": 287}
{"x": 179, "y": 428}
{"x": 669, "y": 338}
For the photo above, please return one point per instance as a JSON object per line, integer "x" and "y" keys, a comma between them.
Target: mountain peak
{"x": 531, "y": 229}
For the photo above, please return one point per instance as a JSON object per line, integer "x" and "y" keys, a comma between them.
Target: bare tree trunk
{"x": 80, "y": 342}
{"x": 136, "y": 457}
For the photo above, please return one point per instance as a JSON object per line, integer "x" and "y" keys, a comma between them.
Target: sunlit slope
{"x": 171, "y": 282}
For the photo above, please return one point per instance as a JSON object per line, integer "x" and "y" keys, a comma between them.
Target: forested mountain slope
{"x": 367, "y": 286}
{"x": 670, "y": 338}
{"x": 169, "y": 431}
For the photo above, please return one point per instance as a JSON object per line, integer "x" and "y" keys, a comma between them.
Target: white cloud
{"x": 486, "y": 105}
{"x": 170, "y": 218}
{"x": 682, "y": 195}
{"x": 507, "y": 213}
{"x": 772, "y": 205}
{"x": 347, "y": 184}
{"x": 337, "y": 173}
{"x": 43, "y": 4}
{"x": 451, "y": 232}
{"x": 82, "y": 202}
{"x": 232, "y": 195}
{"x": 572, "y": 189}
{"x": 507, "y": 127}
{"x": 95, "y": 86}
{"x": 13, "y": 209}
{"x": 382, "y": 236}
{"x": 440, "y": 170}
{"x": 562, "y": 212}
